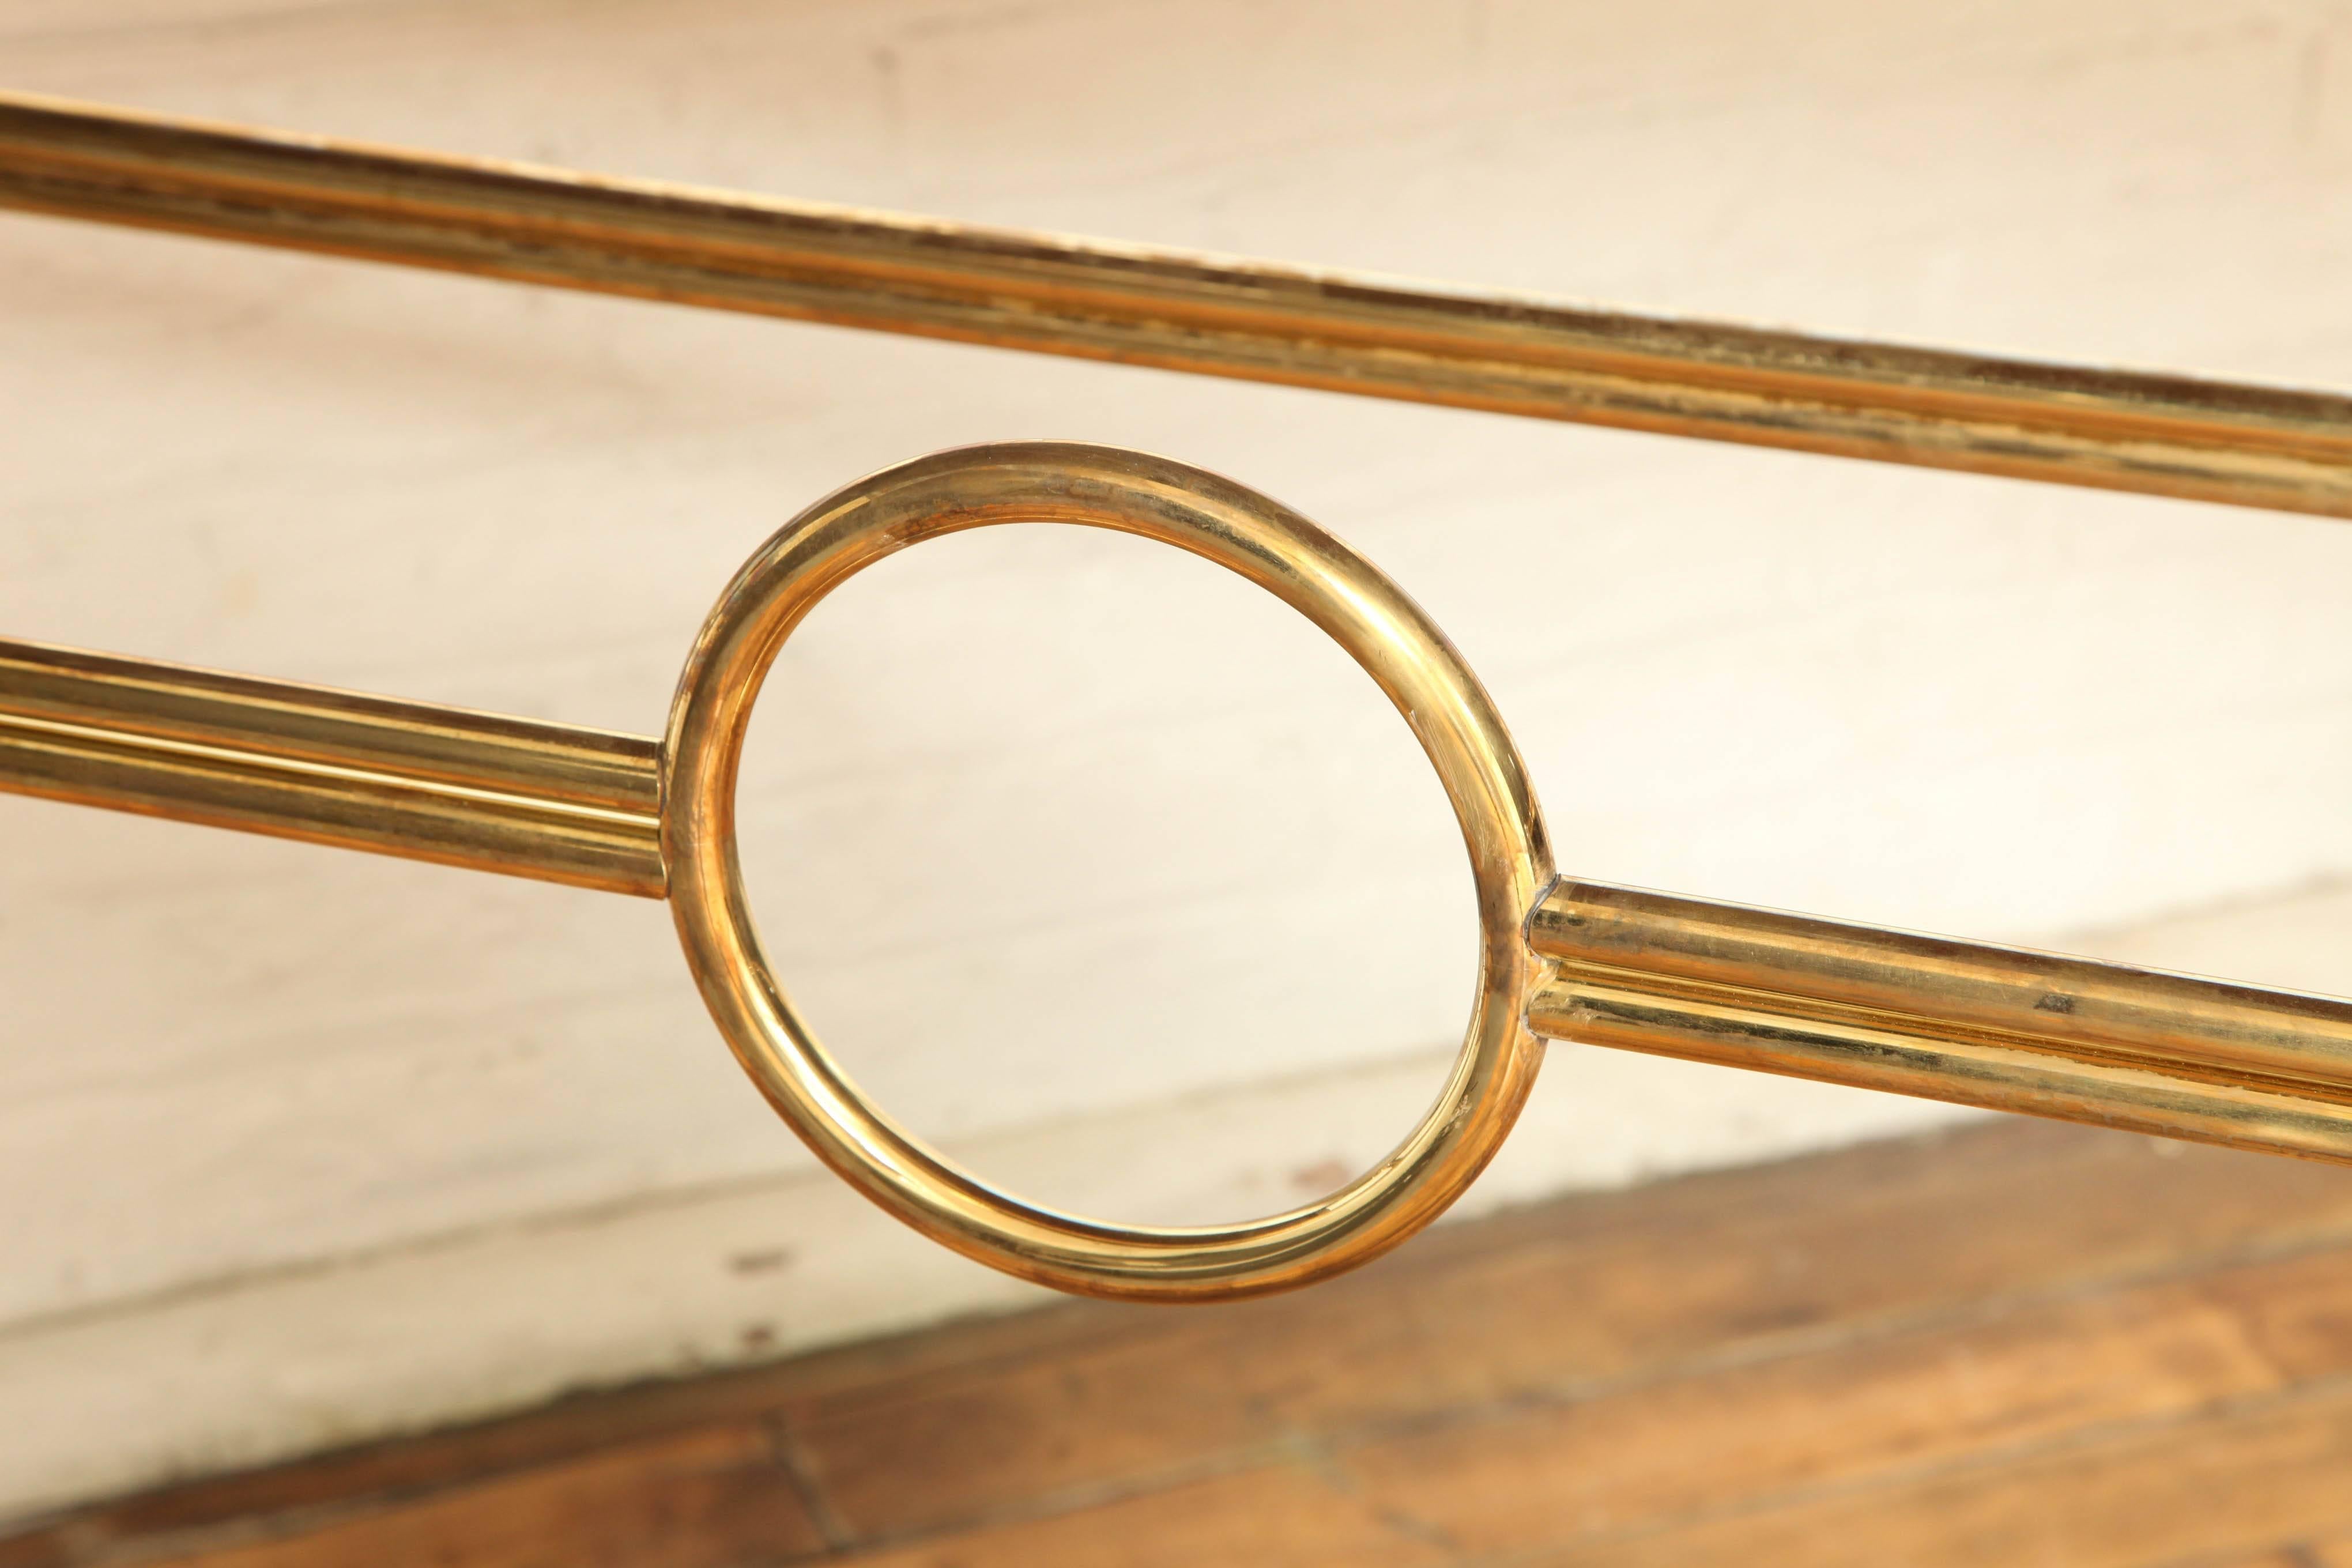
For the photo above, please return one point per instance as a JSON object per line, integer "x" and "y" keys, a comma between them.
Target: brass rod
{"x": 2162, "y": 434}
{"x": 412, "y": 779}
{"x": 1978, "y": 1024}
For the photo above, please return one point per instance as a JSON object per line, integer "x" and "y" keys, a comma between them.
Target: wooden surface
{"x": 2014, "y": 1343}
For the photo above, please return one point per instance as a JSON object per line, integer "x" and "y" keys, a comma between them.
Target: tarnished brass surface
{"x": 1614, "y": 966}
{"x": 2163, "y": 435}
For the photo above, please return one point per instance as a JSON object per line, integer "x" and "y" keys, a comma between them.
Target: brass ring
{"x": 1385, "y": 632}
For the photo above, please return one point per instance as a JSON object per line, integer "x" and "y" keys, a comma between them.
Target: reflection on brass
{"x": 335, "y": 767}
{"x": 2163, "y": 435}
{"x": 1982, "y": 1026}
{"x": 2013, "y": 1030}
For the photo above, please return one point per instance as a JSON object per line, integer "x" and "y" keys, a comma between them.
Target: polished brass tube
{"x": 2161, "y": 435}
{"x": 334, "y": 767}
{"x": 1978, "y": 1025}
{"x": 2001, "y": 1027}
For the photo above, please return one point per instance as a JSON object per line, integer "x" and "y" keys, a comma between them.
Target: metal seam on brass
{"x": 1789, "y": 993}
{"x": 2161, "y": 434}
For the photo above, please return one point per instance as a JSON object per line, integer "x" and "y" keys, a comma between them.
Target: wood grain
{"x": 1716, "y": 1267}
{"x": 1660, "y": 1452}
{"x": 2018, "y": 1345}
{"x": 2223, "y": 1482}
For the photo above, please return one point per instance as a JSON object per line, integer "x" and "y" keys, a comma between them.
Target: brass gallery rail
{"x": 1789, "y": 993}
{"x": 1642, "y": 971}
{"x": 1984, "y": 1025}
{"x": 2163, "y": 435}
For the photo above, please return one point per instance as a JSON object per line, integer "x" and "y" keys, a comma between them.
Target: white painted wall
{"x": 1098, "y": 867}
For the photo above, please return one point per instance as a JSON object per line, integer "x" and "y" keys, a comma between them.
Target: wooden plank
{"x": 1292, "y": 1514}
{"x": 1591, "y": 1292}
{"x": 2223, "y": 1484}
{"x": 394, "y": 1470}
{"x": 1676, "y": 1360}
{"x": 1653, "y": 1456}
{"x": 710, "y": 1499}
{"x": 2299, "y": 1314}
{"x": 1845, "y": 1414}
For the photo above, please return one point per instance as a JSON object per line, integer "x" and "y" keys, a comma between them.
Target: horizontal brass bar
{"x": 1976, "y": 1025}
{"x": 2161, "y": 435}
{"x": 412, "y": 779}
{"x": 2000, "y": 1027}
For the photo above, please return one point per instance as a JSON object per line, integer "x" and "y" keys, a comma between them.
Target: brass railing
{"x": 2164, "y": 435}
{"x": 1982, "y": 1026}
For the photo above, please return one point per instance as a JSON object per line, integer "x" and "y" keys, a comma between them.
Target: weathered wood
{"x": 703, "y": 1498}
{"x": 2016, "y": 1343}
{"x": 1588, "y": 1295}
{"x": 1846, "y": 1414}
{"x": 2232, "y": 1480}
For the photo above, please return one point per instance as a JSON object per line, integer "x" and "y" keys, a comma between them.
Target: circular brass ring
{"x": 1385, "y": 632}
